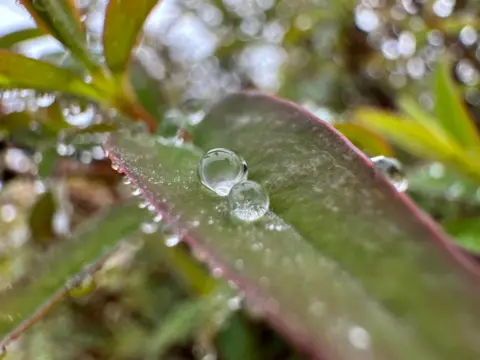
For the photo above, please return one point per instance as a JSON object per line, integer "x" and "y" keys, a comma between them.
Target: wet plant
{"x": 174, "y": 212}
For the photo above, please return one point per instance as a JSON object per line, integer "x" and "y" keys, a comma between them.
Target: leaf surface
{"x": 123, "y": 23}
{"x": 18, "y": 71}
{"x": 328, "y": 265}
{"x": 29, "y": 300}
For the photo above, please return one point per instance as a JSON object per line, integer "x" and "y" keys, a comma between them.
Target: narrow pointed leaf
{"x": 30, "y": 299}
{"x": 123, "y": 23}
{"x": 451, "y": 111}
{"x": 328, "y": 265}
{"x": 18, "y": 71}
{"x": 7, "y": 41}
{"x": 412, "y": 136}
{"x": 424, "y": 141}
{"x": 61, "y": 19}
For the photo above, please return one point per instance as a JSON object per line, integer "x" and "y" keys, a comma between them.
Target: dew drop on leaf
{"x": 392, "y": 170}
{"x": 359, "y": 337}
{"x": 248, "y": 201}
{"x": 220, "y": 169}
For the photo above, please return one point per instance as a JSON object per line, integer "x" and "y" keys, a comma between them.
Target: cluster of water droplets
{"x": 225, "y": 173}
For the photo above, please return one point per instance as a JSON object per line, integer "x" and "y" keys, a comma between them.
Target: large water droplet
{"x": 220, "y": 169}
{"x": 392, "y": 169}
{"x": 248, "y": 201}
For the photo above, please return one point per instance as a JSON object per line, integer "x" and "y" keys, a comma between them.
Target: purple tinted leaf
{"x": 343, "y": 266}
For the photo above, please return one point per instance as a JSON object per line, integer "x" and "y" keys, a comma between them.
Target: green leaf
{"x": 7, "y": 41}
{"x": 18, "y": 71}
{"x": 61, "y": 19}
{"x": 30, "y": 299}
{"x": 179, "y": 326}
{"x": 418, "y": 114}
{"x": 409, "y": 135}
{"x": 365, "y": 139}
{"x": 418, "y": 138}
{"x": 451, "y": 111}
{"x": 466, "y": 233}
{"x": 237, "y": 341}
{"x": 123, "y": 23}
{"x": 332, "y": 258}
{"x": 41, "y": 219}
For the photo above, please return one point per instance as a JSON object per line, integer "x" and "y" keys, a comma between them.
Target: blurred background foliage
{"x": 397, "y": 77}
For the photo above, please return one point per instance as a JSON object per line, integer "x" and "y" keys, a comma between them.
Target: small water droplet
{"x": 217, "y": 272}
{"x": 248, "y": 201}
{"x": 79, "y": 287}
{"x": 127, "y": 181}
{"x": 158, "y": 218}
{"x": 234, "y": 303}
{"x": 45, "y": 99}
{"x": 143, "y": 205}
{"x": 220, "y": 169}
{"x": 151, "y": 208}
{"x": 359, "y": 337}
{"x": 136, "y": 192}
{"x": 171, "y": 237}
{"x": 392, "y": 170}
{"x": 115, "y": 167}
{"x": 149, "y": 228}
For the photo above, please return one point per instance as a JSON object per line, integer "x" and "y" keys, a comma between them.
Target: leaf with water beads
{"x": 311, "y": 272}
{"x": 323, "y": 187}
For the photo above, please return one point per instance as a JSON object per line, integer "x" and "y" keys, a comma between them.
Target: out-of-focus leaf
{"x": 194, "y": 276}
{"x": 47, "y": 164}
{"x": 437, "y": 181}
{"x": 466, "y": 233}
{"x": 7, "y": 41}
{"x": 308, "y": 263}
{"x": 418, "y": 139}
{"x": 52, "y": 118}
{"x": 180, "y": 325}
{"x": 148, "y": 90}
{"x": 419, "y": 115}
{"x": 365, "y": 139}
{"x": 123, "y": 23}
{"x": 452, "y": 25}
{"x": 30, "y": 299}
{"x": 237, "y": 342}
{"x": 451, "y": 111}
{"x": 18, "y": 71}
{"x": 15, "y": 120}
{"x": 61, "y": 19}
{"x": 41, "y": 219}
